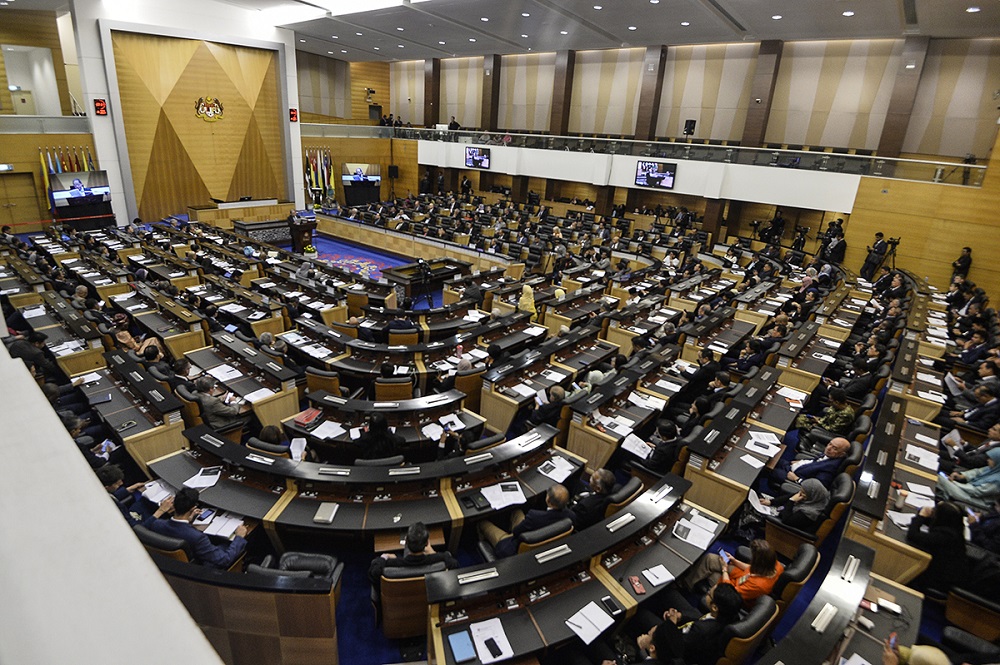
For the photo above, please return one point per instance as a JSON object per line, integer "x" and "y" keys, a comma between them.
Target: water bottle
{"x": 458, "y": 351}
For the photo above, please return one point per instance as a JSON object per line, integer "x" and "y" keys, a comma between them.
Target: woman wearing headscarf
{"x": 527, "y": 301}
{"x": 978, "y": 487}
{"x": 594, "y": 377}
{"x": 940, "y": 531}
{"x": 805, "y": 509}
{"x": 127, "y": 341}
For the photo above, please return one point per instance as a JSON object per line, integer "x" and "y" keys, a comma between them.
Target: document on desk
{"x": 158, "y": 490}
{"x": 900, "y": 519}
{"x": 93, "y": 377}
{"x": 34, "y": 312}
{"x": 453, "y": 421}
{"x": 328, "y": 430}
{"x": 833, "y": 344}
{"x": 919, "y": 501}
{"x": 523, "y": 390}
{"x": 855, "y": 659}
{"x": 232, "y": 308}
{"x": 825, "y": 358}
{"x": 225, "y": 373}
{"x": 925, "y": 458}
{"x": 647, "y": 401}
{"x": 917, "y": 488}
{"x": 501, "y": 495}
{"x": 792, "y": 394}
{"x": 224, "y": 525}
{"x": 636, "y": 446}
{"x": 207, "y": 477}
{"x": 690, "y": 532}
{"x": 258, "y": 395}
{"x": 752, "y": 461}
{"x": 432, "y": 431}
{"x": 557, "y": 468}
{"x": 590, "y": 621}
{"x": 669, "y": 386}
{"x": 490, "y": 631}
{"x": 950, "y": 383}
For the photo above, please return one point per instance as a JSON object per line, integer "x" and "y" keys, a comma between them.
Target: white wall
{"x": 192, "y": 19}
{"x": 32, "y": 69}
{"x": 815, "y": 190}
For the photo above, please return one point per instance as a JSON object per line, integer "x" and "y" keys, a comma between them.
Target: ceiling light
{"x": 632, "y": 27}
{"x": 524, "y": 36}
{"x": 563, "y": 32}
{"x": 472, "y": 39}
{"x": 525, "y": 14}
{"x": 654, "y": 2}
{"x": 358, "y": 34}
{"x": 598, "y": 7}
{"x": 400, "y": 45}
{"x": 377, "y": 48}
{"x": 484, "y": 20}
{"x": 334, "y": 37}
{"x": 848, "y": 13}
{"x": 400, "y": 29}
{"x": 972, "y": 10}
{"x": 685, "y": 23}
{"x": 329, "y": 52}
{"x": 441, "y": 43}
{"x": 911, "y": 65}
{"x": 302, "y": 41}
{"x": 343, "y": 50}
{"x": 776, "y": 17}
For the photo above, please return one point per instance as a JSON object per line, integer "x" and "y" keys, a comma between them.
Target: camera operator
{"x": 876, "y": 252}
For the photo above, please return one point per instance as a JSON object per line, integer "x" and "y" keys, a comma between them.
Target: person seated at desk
{"x": 963, "y": 395}
{"x": 967, "y": 455}
{"x": 978, "y": 487}
{"x": 803, "y": 510}
{"x": 125, "y": 339}
{"x": 506, "y": 543}
{"x": 918, "y": 654}
{"x": 698, "y": 381}
{"x": 80, "y": 295}
{"x": 526, "y": 303}
{"x": 548, "y": 413}
{"x": 417, "y": 552}
{"x": 588, "y": 508}
{"x": 65, "y": 398}
{"x": 31, "y": 350}
{"x": 940, "y": 531}
{"x": 751, "y": 580}
{"x": 180, "y": 375}
{"x": 445, "y": 381}
{"x": 980, "y": 417}
{"x": 855, "y": 384}
{"x": 280, "y": 347}
{"x": 153, "y": 357}
{"x": 113, "y": 479}
{"x": 398, "y": 322}
{"x": 216, "y": 413}
{"x": 837, "y": 417}
{"x": 205, "y": 552}
{"x": 751, "y": 355}
{"x": 377, "y": 440}
{"x": 823, "y": 468}
{"x": 702, "y": 633}
{"x": 473, "y": 291}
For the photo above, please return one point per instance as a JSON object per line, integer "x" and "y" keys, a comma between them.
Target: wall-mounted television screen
{"x": 355, "y": 174}
{"x": 655, "y": 174}
{"x": 477, "y": 158}
{"x": 80, "y": 188}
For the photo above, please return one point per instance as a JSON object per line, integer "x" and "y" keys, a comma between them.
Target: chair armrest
{"x": 964, "y": 642}
{"x": 486, "y": 551}
{"x": 798, "y": 533}
{"x": 978, "y": 600}
{"x": 639, "y": 466}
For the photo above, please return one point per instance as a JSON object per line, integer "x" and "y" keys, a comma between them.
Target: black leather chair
{"x": 175, "y": 548}
{"x": 628, "y": 492}
{"x": 271, "y": 449}
{"x": 486, "y": 442}
{"x": 531, "y": 540}
{"x": 401, "y": 604}
{"x": 395, "y": 460}
{"x": 301, "y": 564}
{"x": 744, "y": 636}
{"x": 252, "y": 341}
{"x": 795, "y": 576}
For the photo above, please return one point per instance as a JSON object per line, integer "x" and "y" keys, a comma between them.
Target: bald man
{"x": 505, "y": 544}
{"x": 823, "y": 468}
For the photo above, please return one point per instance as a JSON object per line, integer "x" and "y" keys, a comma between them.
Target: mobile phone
{"x": 206, "y": 514}
{"x": 969, "y": 510}
{"x": 494, "y": 648}
{"x": 893, "y": 639}
{"x": 610, "y": 605}
{"x": 636, "y": 585}
{"x": 725, "y": 556}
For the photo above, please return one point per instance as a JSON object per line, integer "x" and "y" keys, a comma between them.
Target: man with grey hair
{"x": 216, "y": 413}
{"x": 589, "y": 507}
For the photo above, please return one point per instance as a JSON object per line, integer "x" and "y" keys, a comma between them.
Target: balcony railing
{"x": 834, "y": 161}
{"x": 44, "y": 124}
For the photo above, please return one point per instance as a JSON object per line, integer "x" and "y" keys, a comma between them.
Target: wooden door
{"x": 24, "y": 102}
{"x": 19, "y": 202}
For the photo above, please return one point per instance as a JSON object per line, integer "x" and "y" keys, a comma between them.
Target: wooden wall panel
{"x": 369, "y": 75}
{"x": 33, "y": 28}
{"x": 179, "y": 159}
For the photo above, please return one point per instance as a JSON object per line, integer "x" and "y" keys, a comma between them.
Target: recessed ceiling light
{"x": 654, "y": 2}
{"x": 302, "y": 41}
{"x": 343, "y": 50}
{"x": 685, "y": 23}
{"x": 563, "y": 32}
{"x": 911, "y": 65}
{"x": 472, "y": 39}
{"x": 334, "y": 37}
{"x": 441, "y": 43}
{"x": 525, "y": 14}
{"x": 524, "y": 36}
{"x": 484, "y": 20}
{"x": 598, "y": 7}
{"x": 400, "y": 45}
{"x": 776, "y": 17}
{"x": 329, "y": 52}
{"x": 632, "y": 27}
{"x": 377, "y": 48}
{"x": 400, "y": 29}
{"x": 972, "y": 10}
{"x": 848, "y": 13}
{"x": 358, "y": 34}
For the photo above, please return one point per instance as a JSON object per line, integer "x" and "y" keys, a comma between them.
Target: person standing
{"x": 960, "y": 266}
{"x": 875, "y": 255}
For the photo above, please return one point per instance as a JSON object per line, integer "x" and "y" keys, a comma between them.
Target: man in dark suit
{"x": 882, "y": 284}
{"x": 967, "y": 455}
{"x": 980, "y": 417}
{"x": 506, "y": 543}
{"x": 417, "y": 552}
{"x": 205, "y": 552}
{"x": 875, "y": 254}
{"x": 836, "y": 249}
{"x": 823, "y": 468}
{"x": 698, "y": 382}
{"x": 32, "y": 351}
{"x": 589, "y": 507}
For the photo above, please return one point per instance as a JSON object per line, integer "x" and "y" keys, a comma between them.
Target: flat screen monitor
{"x": 477, "y": 158}
{"x": 355, "y": 174}
{"x": 659, "y": 175}
{"x": 79, "y": 188}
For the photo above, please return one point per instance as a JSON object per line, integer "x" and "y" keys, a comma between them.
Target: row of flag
{"x": 317, "y": 169}
{"x": 61, "y": 160}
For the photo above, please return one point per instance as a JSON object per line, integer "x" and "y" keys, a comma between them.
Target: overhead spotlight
{"x": 685, "y": 23}
{"x": 632, "y": 27}
{"x": 525, "y": 14}
{"x": 848, "y": 13}
{"x": 972, "y": 10}
{"x": 776, "y": 17}
{"x": 563, "y": 32}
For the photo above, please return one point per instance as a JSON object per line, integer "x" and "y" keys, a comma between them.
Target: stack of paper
{"x": 689, "y": 532}
{"x": 328, "y": 430}
{"x": 158, "y": 490}
{"x": 637, "y": 446}
{"x": 557, "y": 468}
{"x": 207, "y": 477}
{"x": 925, "y": 458}
{"x": 224, "y": 525}
{"x": 501, "y": 495}
{"x": 902, "y": 520}
{"x": 225, "y": 373}
{"x": 258, "y": 395}
{"x": 452, "y": 421}
{"x": 765, "y": 443}
{"x": 492, "y": 631}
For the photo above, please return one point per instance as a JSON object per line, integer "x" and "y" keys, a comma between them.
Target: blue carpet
{"x": 360, "y": 259}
